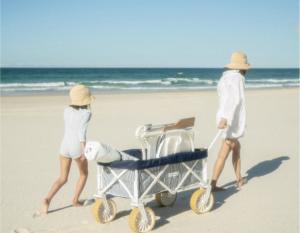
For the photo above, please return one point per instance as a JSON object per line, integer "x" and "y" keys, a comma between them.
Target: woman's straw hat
{"x": 80, "y": 95}
{"x": 238, "y": 62}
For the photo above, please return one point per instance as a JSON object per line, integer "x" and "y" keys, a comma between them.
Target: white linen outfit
{"x": 76, "y": 123}
{"x": 232, "y": 103}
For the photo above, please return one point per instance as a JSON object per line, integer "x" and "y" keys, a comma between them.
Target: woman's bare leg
{"x": 65, "y": 164}
{"x": 83, "y": 172}
{"x": 220, "y": 162}
{"x": 236, "y": 160}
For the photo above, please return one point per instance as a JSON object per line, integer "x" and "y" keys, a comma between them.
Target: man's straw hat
{"x": 80, "y": 95}
{"x": 238, "y": 62}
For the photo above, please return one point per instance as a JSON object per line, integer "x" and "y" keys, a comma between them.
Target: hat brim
{"x": 238, "y": 66}
{"x": 82, "y": 102}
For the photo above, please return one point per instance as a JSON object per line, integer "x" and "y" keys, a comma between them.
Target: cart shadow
{"x": 182, "y": 205}
{"x": 165, "y": 213}
{"x": 122, "y": 214}
{"x": 221, "y": 197}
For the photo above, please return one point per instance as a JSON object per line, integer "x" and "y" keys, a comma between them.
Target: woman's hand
{"x": 222, "y": 123}
{"x": 82, "y": 157}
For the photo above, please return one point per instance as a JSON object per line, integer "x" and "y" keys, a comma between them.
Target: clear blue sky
{"x": 148, "y": 33}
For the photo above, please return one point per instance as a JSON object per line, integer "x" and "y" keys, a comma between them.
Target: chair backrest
{"x": 162, "y": 140}
{"x": 181, "y": 124}
{"x": 175, "y": 141}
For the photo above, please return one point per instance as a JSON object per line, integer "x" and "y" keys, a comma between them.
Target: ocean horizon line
{"x": 129, "y": 67}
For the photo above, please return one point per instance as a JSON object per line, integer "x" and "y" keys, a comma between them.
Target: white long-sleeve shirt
{"x": 232, "y": 103}
{"x": 76, "y": 122}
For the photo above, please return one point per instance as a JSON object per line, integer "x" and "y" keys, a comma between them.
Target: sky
{"x": 148, "y": 33}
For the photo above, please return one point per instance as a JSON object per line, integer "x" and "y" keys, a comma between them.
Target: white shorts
{"x": 70, "y": 150}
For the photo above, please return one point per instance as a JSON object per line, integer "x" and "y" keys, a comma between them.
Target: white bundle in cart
{"x": 101, "y": 152}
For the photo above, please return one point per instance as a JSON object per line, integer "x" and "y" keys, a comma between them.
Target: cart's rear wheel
{"x": 103, "y": 213}
{"x": 165, "y": 198}
{"x": 201, "y": 204}
{"x": 140, "y": 225}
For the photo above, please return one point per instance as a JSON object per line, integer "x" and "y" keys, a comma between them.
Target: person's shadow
{"x": 261, "y": 169}
{"x": 85, "y": 202}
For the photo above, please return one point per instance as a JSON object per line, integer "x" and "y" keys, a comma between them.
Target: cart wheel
{"x": 138, "y": 224}
{"x": 165, "y": 198}
{"x": 197, "y": 199}
{"x": 103, "y": 214}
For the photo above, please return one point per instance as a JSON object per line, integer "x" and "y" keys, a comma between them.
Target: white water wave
{"x": 47, "y": 84}
{"x": 272, "y": 80}
{"x": 155, "y": 84}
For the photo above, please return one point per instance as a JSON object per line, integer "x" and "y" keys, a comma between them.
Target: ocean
{"x": 22, "y": 81}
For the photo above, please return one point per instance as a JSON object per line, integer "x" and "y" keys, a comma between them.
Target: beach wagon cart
{"x": 167, "y": 163}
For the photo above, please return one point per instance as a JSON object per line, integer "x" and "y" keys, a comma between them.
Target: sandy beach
{"x": 32, "y": 129}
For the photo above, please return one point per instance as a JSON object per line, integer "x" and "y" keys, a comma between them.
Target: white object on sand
{"x": 100, "y": 152}
{"x": 22, "y": 230}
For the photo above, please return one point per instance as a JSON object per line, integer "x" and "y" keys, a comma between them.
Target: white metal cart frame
{"x": 174, "y": 166}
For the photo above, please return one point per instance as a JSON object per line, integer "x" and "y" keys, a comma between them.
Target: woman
{"x": 231, "y": 116}
{"x": 76, "y": 118}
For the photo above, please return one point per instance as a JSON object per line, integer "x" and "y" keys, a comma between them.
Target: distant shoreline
{"x": 128, "y": 67}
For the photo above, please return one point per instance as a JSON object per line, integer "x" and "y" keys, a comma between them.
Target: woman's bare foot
{"x": 45, "y": 207}
{"x": 77, "y": 203}
{"x": 215, "y": 188}
{"x": 240, "y": 182}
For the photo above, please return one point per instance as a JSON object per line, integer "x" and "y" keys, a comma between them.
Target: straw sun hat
{"x": 238, "y": 61}
{"x": 80, "y": 95}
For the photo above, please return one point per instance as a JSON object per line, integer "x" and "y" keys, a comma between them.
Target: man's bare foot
{"x": 45, "y": 206}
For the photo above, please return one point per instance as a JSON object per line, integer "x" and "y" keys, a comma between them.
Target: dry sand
{"x": 31, "y": 132}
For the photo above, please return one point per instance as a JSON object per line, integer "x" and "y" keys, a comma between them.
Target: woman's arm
{"x": 83, "y": 126}
{"x": 82, "y": 132}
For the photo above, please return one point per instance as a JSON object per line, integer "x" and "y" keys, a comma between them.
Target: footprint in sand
{"x": 22, "y": 230}
{"x": 37, "y": 214}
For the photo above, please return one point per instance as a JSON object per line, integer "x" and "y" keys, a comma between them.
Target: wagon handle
{"x": 214, "y": 140}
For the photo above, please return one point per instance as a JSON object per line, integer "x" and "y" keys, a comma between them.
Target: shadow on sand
{"x": 86, "y": 202}
{"x": 59, "y": 209}
{"x": 261, "y": 169}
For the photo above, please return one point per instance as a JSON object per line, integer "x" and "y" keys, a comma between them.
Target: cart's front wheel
{"x": 104, "y": 213}
{"x": 139, "y": 224}
{"x": 200, "y": 203}
{"x": 165, "y": 198}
